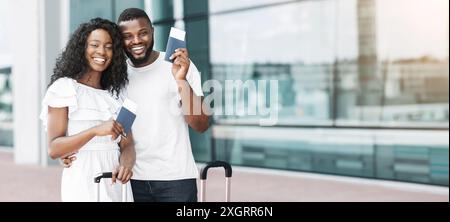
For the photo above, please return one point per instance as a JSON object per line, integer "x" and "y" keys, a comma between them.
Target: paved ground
{"x": 38, "y": 184}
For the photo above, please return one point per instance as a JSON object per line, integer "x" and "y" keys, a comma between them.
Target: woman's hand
{"x": 110, "y": 127}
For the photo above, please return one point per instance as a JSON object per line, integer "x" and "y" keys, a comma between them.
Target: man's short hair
{"x": 130, "y": 14}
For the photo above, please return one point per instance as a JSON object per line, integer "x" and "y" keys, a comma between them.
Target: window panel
{"x": 291, "y": 43}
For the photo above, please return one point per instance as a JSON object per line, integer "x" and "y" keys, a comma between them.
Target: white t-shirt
{"x": 163, "y": 147}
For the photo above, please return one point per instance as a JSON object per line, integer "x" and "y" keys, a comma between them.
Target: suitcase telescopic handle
{"x": 108, "y": 175}
{"x": 204, "y": 175}
{"x": 216, "y": 164}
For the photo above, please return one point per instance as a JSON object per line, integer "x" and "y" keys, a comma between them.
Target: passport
{"x": 176, "y": 41}
{"x": 127, "y": 115}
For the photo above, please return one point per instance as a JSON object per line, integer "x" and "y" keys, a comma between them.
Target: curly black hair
{"x": 72, "y": 62}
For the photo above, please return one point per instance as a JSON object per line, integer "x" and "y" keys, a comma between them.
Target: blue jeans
{"x": 165, "y": 191}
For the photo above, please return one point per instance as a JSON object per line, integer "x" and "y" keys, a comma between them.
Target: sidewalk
{"x": 31, "y": 183}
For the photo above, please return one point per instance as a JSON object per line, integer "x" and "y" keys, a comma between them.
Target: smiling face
{"x": 138, "y": 40}
{"x": 99, "y": 50}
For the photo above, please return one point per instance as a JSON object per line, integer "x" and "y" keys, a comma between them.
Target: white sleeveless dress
{"x": 88, "y": 107}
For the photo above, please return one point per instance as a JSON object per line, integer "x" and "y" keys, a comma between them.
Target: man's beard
{"x": 141, "y": 61}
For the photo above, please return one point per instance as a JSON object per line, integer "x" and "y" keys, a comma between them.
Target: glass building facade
{"x": 6, "y": 118}
{"x": 362, "y": 84}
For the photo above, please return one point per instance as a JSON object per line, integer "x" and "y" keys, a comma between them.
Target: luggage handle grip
{"x": 216, "y": 164}
{"x": 98, "y": 178}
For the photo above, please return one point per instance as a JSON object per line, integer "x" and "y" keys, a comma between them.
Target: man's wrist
{"x": 126, "y": 162}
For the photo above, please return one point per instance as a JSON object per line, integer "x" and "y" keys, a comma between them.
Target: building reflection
{"x": 411, "y": 91}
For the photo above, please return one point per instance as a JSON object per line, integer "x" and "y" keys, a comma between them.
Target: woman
{"x": 78, "y": 111}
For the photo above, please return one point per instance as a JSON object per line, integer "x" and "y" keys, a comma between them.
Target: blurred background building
{"x": 363, "y": 84}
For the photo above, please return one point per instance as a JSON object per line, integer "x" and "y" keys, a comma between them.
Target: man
{"x": 165, "y": 170}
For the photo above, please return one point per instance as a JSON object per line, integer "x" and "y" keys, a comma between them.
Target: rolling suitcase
{"x": 101, "y": 176}
{"x": 204, "y": 174}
